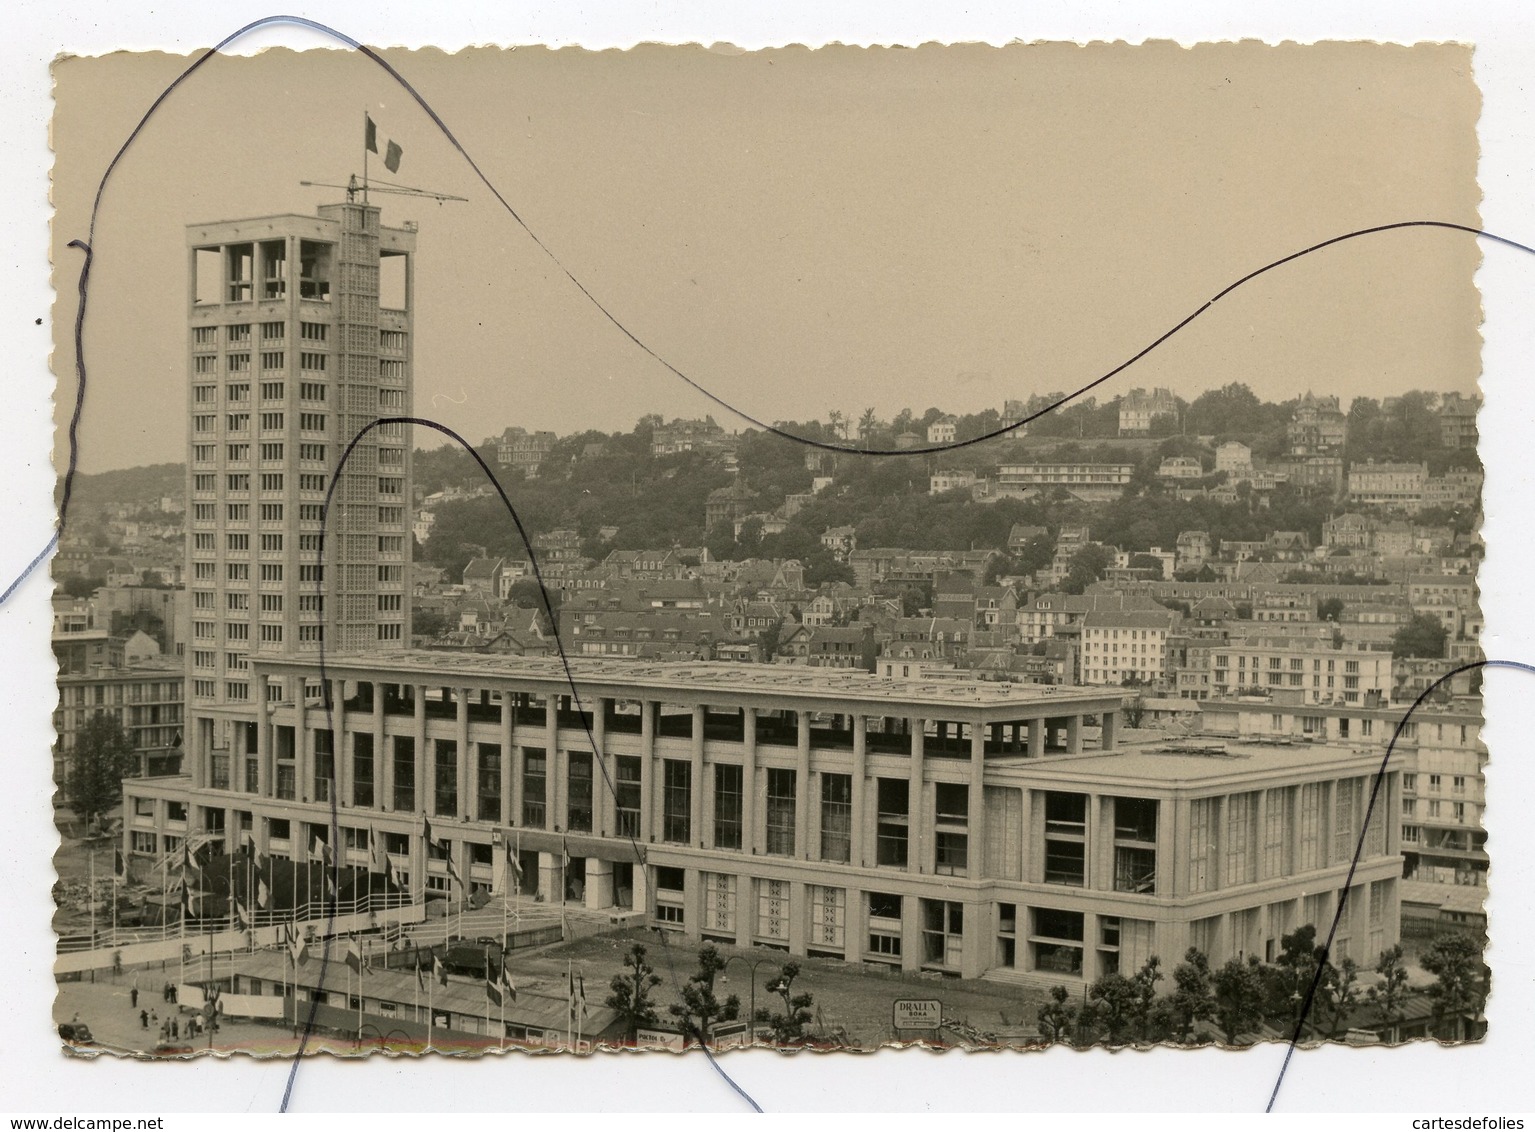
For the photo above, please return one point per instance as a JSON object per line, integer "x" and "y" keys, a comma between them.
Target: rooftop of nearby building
{"x": 832, "y": 684}
{"x": 1206, "y": 762}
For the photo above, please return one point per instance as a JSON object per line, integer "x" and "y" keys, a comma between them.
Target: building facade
{"x": 299, "y": 341}
{"x": 960, "y": 828}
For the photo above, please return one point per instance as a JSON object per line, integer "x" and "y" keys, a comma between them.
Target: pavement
{"x": 105, "y": 1006}
{"x": 861, "y": 1004}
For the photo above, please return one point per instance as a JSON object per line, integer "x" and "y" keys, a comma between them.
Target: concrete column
{"x": 976, "y": 833}
{"x": 1100, "y": 843}
{"x": 509, "y": 813}
{"x": 692, "y": 903}
{"x": 604, "y": 773}
{"x": 648, "y": 771}
{"x": 339, "y": 744}
{"x": 639, "y": 896}
{"x": 700, "y": 788}
{"x": 1074, "y": 734}
{"x": 516, "y": 764}
{"x": 746, "y": 910}
{"x": 911, "y": 933}
{"x": 599, "y": 883}
{"x": 804, "y": 815}
{"x": 264, "y": 770}
{"x": 749, "y": 806}
{"x": 466, "y": 760}
{"x": 799, "y": 917}
{"x": 551, "y": 877}
{"x": 979, "y": 934}
{"x": 1110, "y": 736}
{"x": 915, "y": 800}
{"x": 1261, "y": 840}
{"x": 1325, "y": 825}
{"x": 383, "y": 767}
{"x": 423, "y": 764}
{"x": 1176, "y": 816}
{"x": 1036, "y": 738}
{"x": 860, "y": 796}
{"x": 554, "y": 765}
{"x": 303, "y": 754}
{"x": 856, "y": 919}
{"x": 1090, "y": 970}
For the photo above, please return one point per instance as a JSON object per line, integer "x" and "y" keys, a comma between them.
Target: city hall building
{"x": 964, "y": 828}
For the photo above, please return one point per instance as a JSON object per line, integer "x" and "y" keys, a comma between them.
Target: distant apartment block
{"x": 1351, "y": 675}
{"x": 1088, "y": 482}
{"x": 1397, "y": 486}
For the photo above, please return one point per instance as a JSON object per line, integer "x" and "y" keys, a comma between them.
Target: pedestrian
{"x": 165, "y": 993}
{"x": 175, "y": 1029}
{"x": 133, "y": 998}
{"x": 174, "y": 993}
{"x": 144, "y": 1019}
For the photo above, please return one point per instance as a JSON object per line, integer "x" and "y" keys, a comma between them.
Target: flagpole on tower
{"x": 368, "y": 143}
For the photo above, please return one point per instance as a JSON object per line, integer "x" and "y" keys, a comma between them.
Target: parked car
{"x": 76, "y": 1032}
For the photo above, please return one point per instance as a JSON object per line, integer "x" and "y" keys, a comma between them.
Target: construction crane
{"x": 354, "y": 186}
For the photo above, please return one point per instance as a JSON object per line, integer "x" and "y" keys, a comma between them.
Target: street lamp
{"x": 752, "y": 966}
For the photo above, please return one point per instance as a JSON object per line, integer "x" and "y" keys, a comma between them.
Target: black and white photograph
{"x": 695, "y": 549}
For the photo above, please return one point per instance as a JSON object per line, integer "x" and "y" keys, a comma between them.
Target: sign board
{"x": 918, "y": 1013}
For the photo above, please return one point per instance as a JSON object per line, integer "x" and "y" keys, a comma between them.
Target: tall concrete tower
{"x": 300, "y": 334}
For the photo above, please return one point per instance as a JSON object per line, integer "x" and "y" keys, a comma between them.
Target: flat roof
{"x": 1202, "y": 762}
{"x": 704, "y": 676}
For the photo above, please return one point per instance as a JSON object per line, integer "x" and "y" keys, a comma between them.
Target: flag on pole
{"x": 263, "y": 894}
{"x": 570, "y": 993}
{"x": 420, "y": 976}
{"x": 353, "y": 954}
{"x": 119, "y": 868}
{"x": 370, "y": 133}
{"x": 438, "y": 970}
{"x": 392, "y": 156}
{"x": 581, "y": 994}
{"x": 296, "y": 945}
{"x": 381, "y": 862}
{"x": 186, "y": 900}
{"x": 493, "y": 992}
{"x": 426, "y": 831}
{"x": 513, "y": 867}
{"x": 453, "y": 872}
{"x": 241, "y": 915}
{"x": 509, "y": 987}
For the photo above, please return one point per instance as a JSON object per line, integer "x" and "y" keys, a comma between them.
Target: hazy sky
{"x": 801, "y": 231}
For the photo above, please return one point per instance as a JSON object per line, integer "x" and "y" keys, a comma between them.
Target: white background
{"x": 1489, "y": 1078}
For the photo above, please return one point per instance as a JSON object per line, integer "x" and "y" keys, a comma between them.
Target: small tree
{"x": 630, "y": 997}
{"x": 1113, "y": 998}
{"x": 699, "y": 1008}
{"x": 1192, "y": 1000}
{"x": 1460, "y": 988}
{"x": 1390, "y": 994}
{"x": 1239, "y": 994}
{"x": 1338, "y": 994}
{"x": 102, "y": 758}
{"x": 1057, "y": 1018}
{"x": 790, "y": 1024}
